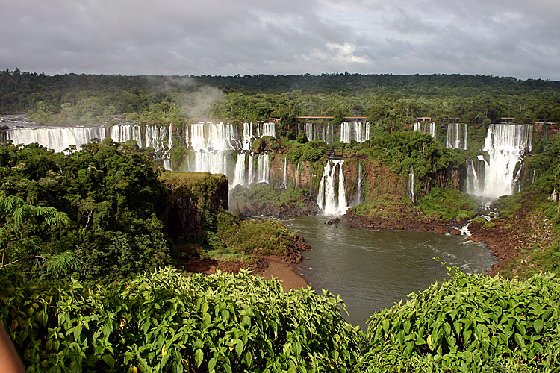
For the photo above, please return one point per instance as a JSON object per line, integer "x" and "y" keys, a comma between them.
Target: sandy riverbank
{"x": 285, "y": 272}
{"x": 267, "y": 267}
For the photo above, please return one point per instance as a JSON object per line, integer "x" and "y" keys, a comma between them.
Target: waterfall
{"x": 170, "y": 137}
{"x": 345, "y": 132}
{"x": 355, "y": 131}
{"x": 156, "y": 137}
{"x": 247, "y": 135}
{"x": 457, "y": 136}
{"x": 320, "y": 131}
{"x": 285, "y": 176}
{"x": 505, "y": 144}
{"x": 309, "y": 131}
{"x": 360, "y": 183}
{"x": 251, "y": 173}
{"x": 212, "y": 143}
{"x": 239, "y": 174}
{"x": 473, "y": 179}
{"x": 56, "y": 138}
{"x": 410, "y": 185}
{"x": 428, "y": 127}
{"x": 263, "y": 168}
{"x": 269, "y": 129}
{"x": 332, "y": 195}
{"x": 127, "y": 132}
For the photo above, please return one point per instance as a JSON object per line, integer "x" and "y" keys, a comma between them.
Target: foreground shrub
{"x": 165, "y": 321}
{"x": 469, "y": 323}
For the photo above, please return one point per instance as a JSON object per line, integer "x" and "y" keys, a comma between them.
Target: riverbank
{"x": 516, "y": 242}
{"x": 267, "y": 268}
{"x": 282, "y": 267}
{"x": 404, "y": 221}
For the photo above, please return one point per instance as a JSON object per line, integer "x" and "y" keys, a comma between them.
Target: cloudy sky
{"x": 519, "y": 38}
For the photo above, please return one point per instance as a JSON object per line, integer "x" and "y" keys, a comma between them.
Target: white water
{"x": 239, "y": 173}
{"x": 457, "y": 136}
{"x": 57, "y": 138}
{"x": 247, "y": 136}
{"x": 426, "y": 127}
{"x": 360, "y": 183}
{"x": 505, "y": 144}
{"x": 250, "y": 169}
{"x": 354, "y": 131}
{"x": 320, "y": 131}
{"x": 127, "y": 132}
{"x": 332, "y": 195}
{"x": 410, "y": 185}
{"x": 269, "y": 129}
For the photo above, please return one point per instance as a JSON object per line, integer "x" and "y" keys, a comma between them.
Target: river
{"x": 372, "y": 270}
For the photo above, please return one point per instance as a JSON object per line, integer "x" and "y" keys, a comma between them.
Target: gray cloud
{"x": 500, "y": 37}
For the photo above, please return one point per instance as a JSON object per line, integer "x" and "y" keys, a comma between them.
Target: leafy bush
{"x": 109, "y": 195}
{"x": 448, "y": 204}
{"x": 311, "y": 151}
{"x": 165, "y": 321}
{"x": 254, "y": 235}
{"x": 266, "y": 194}
{"x": 469, "y": 323}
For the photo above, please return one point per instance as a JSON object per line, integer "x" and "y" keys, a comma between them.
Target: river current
{"x": 372, "y": 270}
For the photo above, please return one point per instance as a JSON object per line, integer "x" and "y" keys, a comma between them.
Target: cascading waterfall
{"x": 247, "y": 136}
{"x": 428, "y": 127}
{"x": 320, "y": 131}
{"x": 263, "y": 168}
{"x": 212, "y": 143}
{"x": 360, "y": 183}
{"x": 506, "y": 145}
{"x": 354, "y": 131}
{"x": 56, "y": 138}
{"x": 457, "y": 136}
{"x": 127, "y": 132}
{"x": 239, "y": 174}
{"x": 269, "y": 129}
{"x": 410, "y": 185}
{"x": 332, "y": 195}
{"x": 473, "y": 181}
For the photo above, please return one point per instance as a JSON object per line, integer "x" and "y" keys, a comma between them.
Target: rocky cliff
{"x": 195, "y": 199}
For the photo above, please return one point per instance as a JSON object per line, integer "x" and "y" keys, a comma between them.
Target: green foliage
{"x": 20, "y": 223}
{"x": 311, "y": 151}
{"x": 246, "y": 237}
{"x": 266, "y": 195}
{"x": 385, "y": 206}
{"x": 447, "y": 204}
{"x": 164, "y": 321}
{"x": 91, "y": 213}
{"x": 405, "y": 149}
{"x": 469, "y": 323}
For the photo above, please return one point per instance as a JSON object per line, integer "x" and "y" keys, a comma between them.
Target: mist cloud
{"x": 499, "y": 37}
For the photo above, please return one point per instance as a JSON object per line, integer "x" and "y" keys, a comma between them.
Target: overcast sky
{"x": 519, "y": 38}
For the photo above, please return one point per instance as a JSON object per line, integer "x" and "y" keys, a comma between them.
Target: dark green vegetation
{"x": 90, "y": 214}
{"x": 447, "y": 204}
{"x": 389, "y": 101}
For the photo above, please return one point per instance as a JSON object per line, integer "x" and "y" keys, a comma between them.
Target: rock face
{"x": 195, "y": 200}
